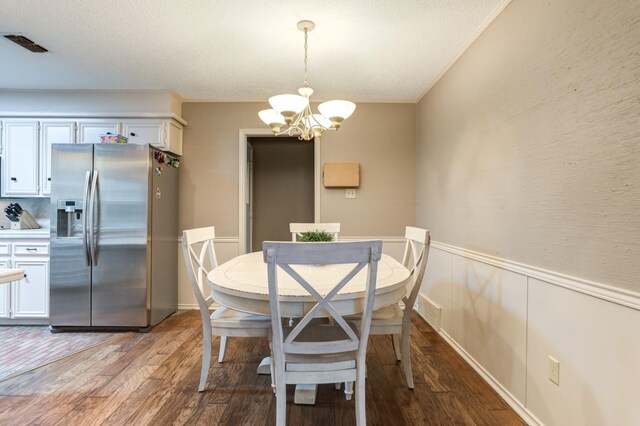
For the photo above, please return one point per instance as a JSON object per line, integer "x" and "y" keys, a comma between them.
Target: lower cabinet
{"x": 30, "y": 296}
{"x": 27, "y": 299}
{"x": 5, "y": 293}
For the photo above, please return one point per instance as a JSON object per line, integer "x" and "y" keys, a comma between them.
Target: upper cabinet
{"x": 20, "y": 158}
{"x": 25, "y": 146}
{"x": 89, "y": 131}
{"x": 164, "y": 134}
{"x": 26, "y": 156}
{"x": 52, "y": 132}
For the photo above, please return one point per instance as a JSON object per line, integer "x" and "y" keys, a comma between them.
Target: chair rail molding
{"x": 606, "y": 292}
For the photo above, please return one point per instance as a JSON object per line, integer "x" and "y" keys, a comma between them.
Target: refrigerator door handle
{"x": 92, "y": 206}
{"x": 85, "y": 200}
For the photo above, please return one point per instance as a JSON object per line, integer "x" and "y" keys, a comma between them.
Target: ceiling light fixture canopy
{"x": 291, "y": 114}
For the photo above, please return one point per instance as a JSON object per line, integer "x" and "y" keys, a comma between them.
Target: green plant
{"x": 315, "y": 236}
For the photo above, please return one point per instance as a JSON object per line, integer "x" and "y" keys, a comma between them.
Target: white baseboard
{"x": 187, "y": 306}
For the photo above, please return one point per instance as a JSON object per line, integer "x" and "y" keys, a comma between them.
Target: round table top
{"x": 245, "y": 277}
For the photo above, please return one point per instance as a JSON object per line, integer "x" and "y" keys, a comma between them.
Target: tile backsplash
{"x": 37, "y": 207}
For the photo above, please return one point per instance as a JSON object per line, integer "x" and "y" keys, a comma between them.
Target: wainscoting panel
{"x": 598, "y": 346}
{"x": 488, "y": 319}
{"x": 507, "y": 318}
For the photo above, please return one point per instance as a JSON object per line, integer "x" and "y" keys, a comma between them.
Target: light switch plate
{"x": 350, "y": 193}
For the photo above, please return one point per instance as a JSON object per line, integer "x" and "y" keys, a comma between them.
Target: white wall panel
{"x": 489, "y": 320}
{"x": 598, "y": 346}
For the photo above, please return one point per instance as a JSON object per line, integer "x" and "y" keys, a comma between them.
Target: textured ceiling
{"x": 238, "y": 50}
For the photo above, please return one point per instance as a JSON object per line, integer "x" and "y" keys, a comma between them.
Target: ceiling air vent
{"x": 26, "y": 43}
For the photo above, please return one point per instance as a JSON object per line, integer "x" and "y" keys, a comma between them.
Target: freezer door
{"x": 120, "y": 291}
{"x": 70, "y": 297}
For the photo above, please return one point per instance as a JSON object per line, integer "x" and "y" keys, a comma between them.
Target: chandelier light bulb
{"x": 337, "y": 111}
{"x": 288, "y": 105}
{"x": 272, "y": 118}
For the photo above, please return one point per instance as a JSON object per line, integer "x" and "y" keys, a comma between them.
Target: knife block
{"x": 19, "y": 225}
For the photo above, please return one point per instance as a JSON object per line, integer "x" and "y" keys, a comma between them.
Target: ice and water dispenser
{"x": 69, "y": 215}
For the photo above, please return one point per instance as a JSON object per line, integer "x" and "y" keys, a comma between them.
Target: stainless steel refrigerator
{"x": 114, "y": 213}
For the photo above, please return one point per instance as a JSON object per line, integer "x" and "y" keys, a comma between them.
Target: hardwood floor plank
{"x": 210, "y": 415}
{"x": 82, "y": 414}
{"x": 152, "y": 379}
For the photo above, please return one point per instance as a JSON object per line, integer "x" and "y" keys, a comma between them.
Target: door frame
{"x": 243, "y": 140}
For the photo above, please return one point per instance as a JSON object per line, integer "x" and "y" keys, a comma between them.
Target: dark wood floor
{"x": 152, "y": 378}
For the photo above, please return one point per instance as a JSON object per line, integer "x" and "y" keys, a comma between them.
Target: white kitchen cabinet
{"x": 52, "y": 132}
{"x": 5, "y": 294}
{"x": 162, "y": 134}
{"x": 89, "y": 131}
{"x": 20, "y": 158}
{"x": 30, "y": 296}
{"x": 25, "y": 301}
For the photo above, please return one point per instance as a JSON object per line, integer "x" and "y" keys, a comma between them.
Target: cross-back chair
{"x": 200, "y": 259}
{"x": 315, "y": 350}
{"x": 394, "y": 320}
{"x": 297, "y": 229}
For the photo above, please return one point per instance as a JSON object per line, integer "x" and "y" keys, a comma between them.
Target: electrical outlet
{"x": 554, "y": 370}
{"x": 350, "y": 193}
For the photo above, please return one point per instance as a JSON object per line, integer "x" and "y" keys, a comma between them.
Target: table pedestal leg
{"x": 265, "y": 366}
{"x": 305, "y": 394}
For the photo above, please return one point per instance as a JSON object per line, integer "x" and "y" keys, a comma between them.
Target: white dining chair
{"x": 200, "y": 258}
{"x": 393, "y": 319}
{"x": 297, "y": 229}
{"x": 315, "y": 350}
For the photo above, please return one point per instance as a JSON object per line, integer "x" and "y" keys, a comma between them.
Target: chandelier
{"x": 291, "y": 114}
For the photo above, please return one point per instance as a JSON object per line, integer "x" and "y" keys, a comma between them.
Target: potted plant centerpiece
{"x": 315, "y": 236}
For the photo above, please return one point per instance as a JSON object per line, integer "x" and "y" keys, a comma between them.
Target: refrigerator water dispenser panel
{"x": 69, "y": 215}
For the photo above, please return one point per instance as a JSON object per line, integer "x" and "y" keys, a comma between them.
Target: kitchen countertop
{"x": 24, "y": 233}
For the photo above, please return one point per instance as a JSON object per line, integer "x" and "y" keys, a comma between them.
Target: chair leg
{"x": 348, "y": 390}
{"x": 223, "y": 348}
{"x": 361, "y": 413}
{"x": 206, "y": 360}
{"x": 406, "y": 358}
{"x": 281, "y": 404}
{"x": 396, "y": 346}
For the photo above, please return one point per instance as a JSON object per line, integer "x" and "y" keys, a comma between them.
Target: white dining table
{"x": 241, "y": 284}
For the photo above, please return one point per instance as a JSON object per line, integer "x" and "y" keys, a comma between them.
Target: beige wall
{"x": 528, "y": 149}
{"x": 379, "y": 136}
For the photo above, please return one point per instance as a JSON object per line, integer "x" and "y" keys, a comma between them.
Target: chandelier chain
{"x": 306, "y": 81}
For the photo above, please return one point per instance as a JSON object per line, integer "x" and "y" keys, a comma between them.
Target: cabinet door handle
{"x": 14, "y": 179}
{"x": 31, "y": 249}
{"x": 132, "y": 134}
{"x": 49, "y": 179}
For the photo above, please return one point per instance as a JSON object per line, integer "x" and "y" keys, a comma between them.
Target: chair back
{"x": 282, "y": 256}
{"x": 199, "y": 258}
{"x": 298, "y": 228}
{"x": 415, "y": 257}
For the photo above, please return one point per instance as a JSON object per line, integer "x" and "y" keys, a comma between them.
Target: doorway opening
{"x": 279, "y": 184}
{"x": 280, "y": 187}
